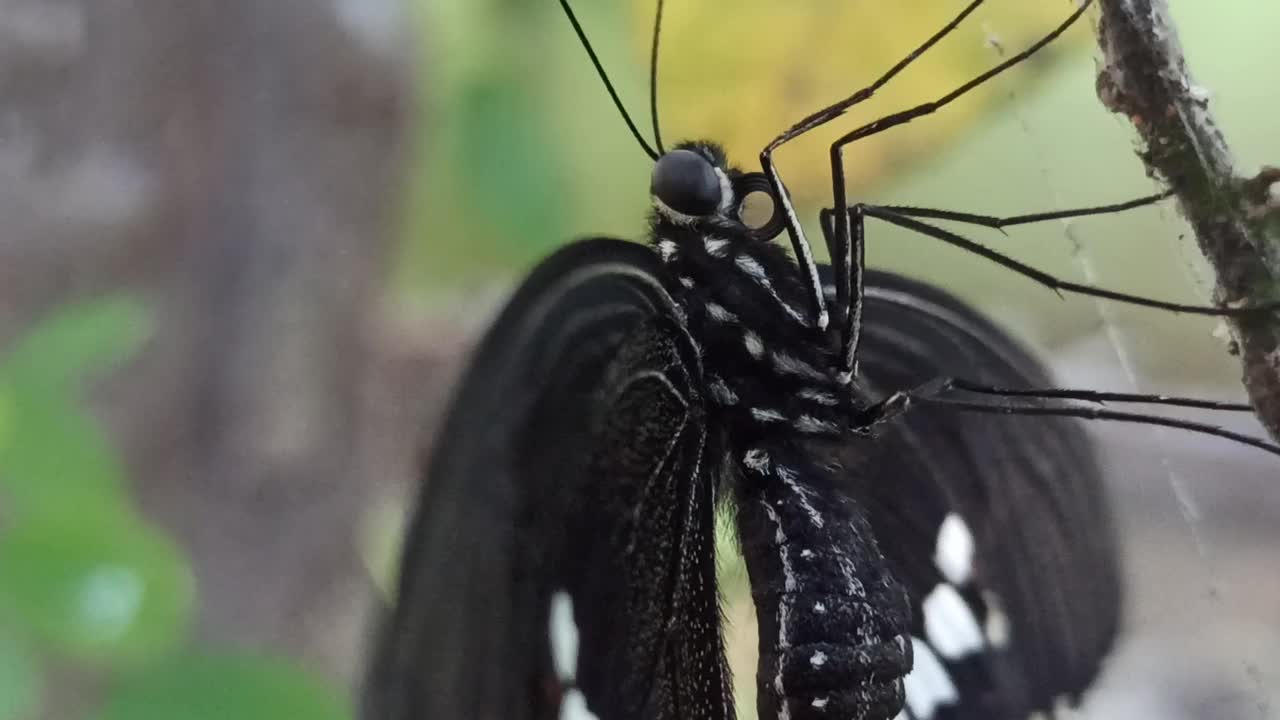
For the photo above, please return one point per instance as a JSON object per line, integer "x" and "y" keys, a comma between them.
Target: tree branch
{"x": 1236, "y": 220}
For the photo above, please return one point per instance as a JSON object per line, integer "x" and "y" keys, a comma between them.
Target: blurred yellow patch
{"x": 741, "y": 72}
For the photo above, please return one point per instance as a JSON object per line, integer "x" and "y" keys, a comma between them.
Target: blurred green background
{"x": 518, "y": 150}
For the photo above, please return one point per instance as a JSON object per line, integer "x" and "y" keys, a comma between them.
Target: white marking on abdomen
{"x": 927, "y": 685}
{"x": 789, "y": 585}
{"x": 788, "y": 478}
{"x": 953, "y": 553}
{"x": 949, "y": 623}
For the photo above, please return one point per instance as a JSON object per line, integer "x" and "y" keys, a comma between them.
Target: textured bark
{"x": 1236, "y": 220}
{"x": 236, "y": 163}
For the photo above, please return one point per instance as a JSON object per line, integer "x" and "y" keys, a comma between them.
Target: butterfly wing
{"x": 998, "y": 526}
{"x": 571, "y": 466}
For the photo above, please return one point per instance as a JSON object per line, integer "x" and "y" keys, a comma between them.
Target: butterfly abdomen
{"x": 833, "y": 621}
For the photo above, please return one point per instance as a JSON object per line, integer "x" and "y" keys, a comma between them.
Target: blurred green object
{"x": 54, "y": 458}
{"x": 223, "y": 687}
{"x": 19, "y": 678}
{"x": 84, "y": 580}
{"x": 103, "y": 590}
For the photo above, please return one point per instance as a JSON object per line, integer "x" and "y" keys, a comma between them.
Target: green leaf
{"x": 54, "y": 458}
{"x": 19, "y": 679}
{"x": 101, "y": 590}
{"x": 76, "y": 339}
{"x": 224, "y": 687}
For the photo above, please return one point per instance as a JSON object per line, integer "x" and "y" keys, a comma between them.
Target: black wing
{"x": 570, "y": 466}
{"x": 1039, "y": 584}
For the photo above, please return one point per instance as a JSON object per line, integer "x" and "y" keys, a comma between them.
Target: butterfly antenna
{"x": 653, "y": 78}
{"x": 604, "y": 77}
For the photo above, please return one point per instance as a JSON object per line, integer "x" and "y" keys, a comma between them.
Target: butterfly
{"x": 924, "y": 536}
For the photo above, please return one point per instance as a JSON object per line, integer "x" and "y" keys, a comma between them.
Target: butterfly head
{"x": 693, "y": 184}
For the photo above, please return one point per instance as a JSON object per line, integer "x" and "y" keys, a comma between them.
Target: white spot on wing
{"x": 564, "y": 636}
{"x": 573, "y": 706}
{"x": 819, "y": 702}
{"x": 954, "y": 552}
{"x": 818, "y": 659}
{"x": 753, "y": 343}
{"x": 927, "y": 685}
{"x": 667, "y": 250}
{"x": 949, "y": 623}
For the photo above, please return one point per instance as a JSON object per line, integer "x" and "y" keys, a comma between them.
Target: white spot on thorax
{"x": 716, "y": 247}
{"x": 927, "y": 685}
{"x": 722, "y": 393}
{"x": 720, "y": 313}
{"x": 667, "y": 250}
{"x": 953, "y": 554}
{"x": 949, "y": 623}
{"x": 818, "y": 396}
{"x": 766, "y": 415}
{"x": 757, "y": 460}
{"x": 795, "y": 366}
{"x": 813, "y": 426}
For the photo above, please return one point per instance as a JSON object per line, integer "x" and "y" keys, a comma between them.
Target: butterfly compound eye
{"x": 686, "y": 182}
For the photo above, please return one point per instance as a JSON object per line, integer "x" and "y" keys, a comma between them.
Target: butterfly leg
{"x": 843, "y": 238}
{"x": 999, "y": 223}
{"x": 845, "y": 235}
{"x": 799, "y": 244}
{"x": 939, "y": 392}
{"x": 1053, "y": 283}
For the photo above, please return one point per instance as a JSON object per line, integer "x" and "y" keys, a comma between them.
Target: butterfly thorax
{"x": 832, "y": 617}
{"x": 768, "y": 369}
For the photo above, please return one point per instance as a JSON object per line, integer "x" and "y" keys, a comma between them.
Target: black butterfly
{"x": 907, "y": 558}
